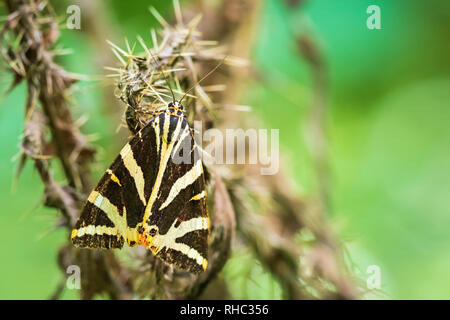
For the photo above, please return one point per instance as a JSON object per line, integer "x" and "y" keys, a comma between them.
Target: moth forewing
{"x": 175, "y": 221}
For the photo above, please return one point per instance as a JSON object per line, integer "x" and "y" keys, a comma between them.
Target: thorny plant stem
{"x": 48, "y": 86}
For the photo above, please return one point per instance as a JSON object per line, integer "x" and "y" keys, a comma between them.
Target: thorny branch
{"x": 26, "y": 39}
{"x": 143, "y": 82}
{"x": 310, "y": 269}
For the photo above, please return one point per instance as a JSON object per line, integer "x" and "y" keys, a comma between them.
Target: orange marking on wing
{"x": 143, "y": 240}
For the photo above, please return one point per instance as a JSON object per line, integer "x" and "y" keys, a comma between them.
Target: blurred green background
{"x": 388, "y": 132}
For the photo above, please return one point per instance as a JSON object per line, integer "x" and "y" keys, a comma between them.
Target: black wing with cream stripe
{"x": 179, "y": 212}
{"x": 148, "y": 197}
{"x": 116, "y": 206}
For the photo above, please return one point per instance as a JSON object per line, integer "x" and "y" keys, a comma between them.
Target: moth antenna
{"x": 164, "y": 75}
{"x": 203, "y": 78}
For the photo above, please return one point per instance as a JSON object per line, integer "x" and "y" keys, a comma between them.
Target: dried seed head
{"x": 164, "y": 71}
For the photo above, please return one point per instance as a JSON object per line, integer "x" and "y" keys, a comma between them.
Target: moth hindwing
{"x": 153, "y": 194}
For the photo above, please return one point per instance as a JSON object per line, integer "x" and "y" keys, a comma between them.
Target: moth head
{"x": 176, "y": 105}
